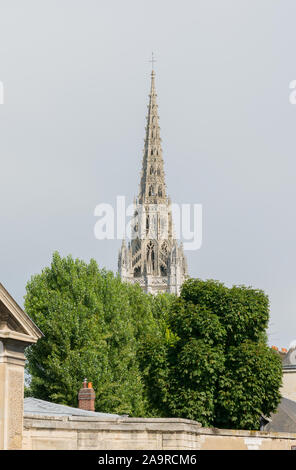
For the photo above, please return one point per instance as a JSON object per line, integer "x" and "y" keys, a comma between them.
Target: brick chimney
{"x": 86, "y": 397}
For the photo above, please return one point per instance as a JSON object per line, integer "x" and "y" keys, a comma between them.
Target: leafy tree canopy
{"x": 213, "y": 364}
{"x": 202, "y": 356}
{"x": 93, "y": 325}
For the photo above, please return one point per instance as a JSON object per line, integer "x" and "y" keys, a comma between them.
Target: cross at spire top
{"x": 152, "y": 61}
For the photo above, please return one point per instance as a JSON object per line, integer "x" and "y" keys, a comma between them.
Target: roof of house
{"x": 41, "y": 407}
{"x": 289, "y": 361}
{"x": 284, "y": 420}
{"x": 16, "y": 324}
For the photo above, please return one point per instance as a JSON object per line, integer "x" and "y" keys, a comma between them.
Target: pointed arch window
{"x": 151, "y": 191}
{"x": 164, "y": 259}
{"x": 150, "y": 256}
{"x": 164, "y": 248}
{"x": 147, "y": 224}
{"x": 137, "y": 272}
{"x": 163, "y": 271}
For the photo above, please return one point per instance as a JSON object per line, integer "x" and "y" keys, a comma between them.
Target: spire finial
{"x": 152, "y": 61}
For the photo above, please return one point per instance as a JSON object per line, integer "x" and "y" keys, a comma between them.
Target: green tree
{"x": 212, "y": 363}
{"x": 93, "y": 325}
{"x": 202, "y": 356}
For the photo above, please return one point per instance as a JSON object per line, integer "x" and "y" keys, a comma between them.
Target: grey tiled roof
{"x": 289, "y": 359}
{"x": 284, "y": 420}
{"x": 42, "y": 407}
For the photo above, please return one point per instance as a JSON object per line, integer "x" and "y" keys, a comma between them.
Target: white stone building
{"x": 153, "y": 258}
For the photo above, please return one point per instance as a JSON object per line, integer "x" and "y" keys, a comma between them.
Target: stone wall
{"x": 11, "y": 405}
{"x": 288, "y": 389}
{"x": 69, "y": 432}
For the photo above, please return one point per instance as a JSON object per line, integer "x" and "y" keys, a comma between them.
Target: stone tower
{"x": 153, "y": 258}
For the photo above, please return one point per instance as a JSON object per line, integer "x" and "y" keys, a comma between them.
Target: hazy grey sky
{"x": 76, "y": 76}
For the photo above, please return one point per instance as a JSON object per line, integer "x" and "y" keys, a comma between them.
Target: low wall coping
{"x": 171, "y": 425}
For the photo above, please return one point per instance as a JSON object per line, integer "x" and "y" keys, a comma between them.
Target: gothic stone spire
{"x": 152, "y": 185}
{"x": 153, "y": 258}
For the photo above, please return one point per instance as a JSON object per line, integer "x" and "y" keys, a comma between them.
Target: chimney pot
{"x": 86, "y": 397}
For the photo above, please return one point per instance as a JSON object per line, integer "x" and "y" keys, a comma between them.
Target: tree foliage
{"x": 202, "y": 356}
{"x": 213, "y": 364}
{"x": 93, "y": 325}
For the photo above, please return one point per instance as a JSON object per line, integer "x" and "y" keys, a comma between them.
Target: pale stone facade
{"x": 153, "y": 258}
{"x": 288, "y": 389}
{"x": 17, "y": 331}
{"x": 90, "y": 433}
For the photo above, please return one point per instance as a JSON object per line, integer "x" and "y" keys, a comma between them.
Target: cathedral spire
{"x": 153, "y": 258}
{"x": 152, "y": 185}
